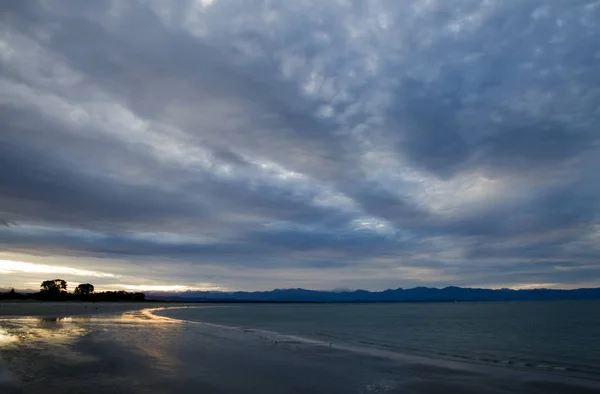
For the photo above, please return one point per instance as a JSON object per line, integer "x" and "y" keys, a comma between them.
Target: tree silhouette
{"x": 56, "y": 290}
{"x": 84, "y": 290}
{"x": 54, "y": 286}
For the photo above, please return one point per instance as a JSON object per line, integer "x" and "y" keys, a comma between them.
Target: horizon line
{"x": 321, "y": 291}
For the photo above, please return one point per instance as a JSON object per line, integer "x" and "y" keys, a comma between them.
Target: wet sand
{"x": 119, "y": 350}
{"x": 75, "y": 308}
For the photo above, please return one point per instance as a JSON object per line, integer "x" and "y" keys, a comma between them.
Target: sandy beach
{"x": 129, "y": 348}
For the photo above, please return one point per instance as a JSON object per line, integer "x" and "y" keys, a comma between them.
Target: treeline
{"x": 56, "y": 290}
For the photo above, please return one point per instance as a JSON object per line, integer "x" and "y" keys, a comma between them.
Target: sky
{"x": 252, "y": 145}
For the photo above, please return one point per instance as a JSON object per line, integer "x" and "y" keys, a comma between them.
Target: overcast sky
{"x": 322, "y": 144}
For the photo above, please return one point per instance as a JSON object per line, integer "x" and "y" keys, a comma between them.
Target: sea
{"x": 555, "y": 336}
{"x": 550, "y": 347}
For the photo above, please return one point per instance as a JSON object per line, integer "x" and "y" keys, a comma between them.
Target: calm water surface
{"x": 554, "y": 336}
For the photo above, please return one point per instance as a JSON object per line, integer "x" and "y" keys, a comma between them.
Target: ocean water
{"x": 467, "y": 348}
{"x": 556, "y": 337}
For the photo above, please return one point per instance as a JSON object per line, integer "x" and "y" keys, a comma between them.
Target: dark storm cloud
{"x": 381, "y": 143}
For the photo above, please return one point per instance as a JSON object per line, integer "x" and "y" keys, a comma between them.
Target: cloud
{"x": 8, "y": 266}
{"x": 322, "y": 144}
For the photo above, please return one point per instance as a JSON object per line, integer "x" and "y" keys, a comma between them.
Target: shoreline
{"x": 68, "y": 308}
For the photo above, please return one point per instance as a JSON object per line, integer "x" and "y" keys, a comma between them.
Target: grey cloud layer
{"x": 391, "y": 142}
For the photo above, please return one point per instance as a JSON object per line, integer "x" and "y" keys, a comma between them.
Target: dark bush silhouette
{"x": 12, "y": 295}
{"x": 117, "y": 296}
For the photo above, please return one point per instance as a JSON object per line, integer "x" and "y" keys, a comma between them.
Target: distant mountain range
{"x": 417, "y": 294}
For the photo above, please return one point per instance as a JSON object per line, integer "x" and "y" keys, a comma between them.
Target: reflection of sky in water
{"x": 37, "y": 331}
{"x": 63, "y": 329}
{"x": 5, "y": 337}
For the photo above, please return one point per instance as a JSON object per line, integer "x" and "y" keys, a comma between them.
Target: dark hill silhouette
{"x": 417, "y": 294}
